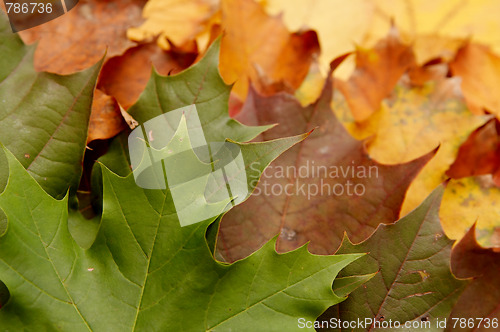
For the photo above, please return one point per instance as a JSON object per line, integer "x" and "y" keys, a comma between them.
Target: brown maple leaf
{"x": 80, "y": 38}
{"x": 480, "y": 154}
{"x": 125, "y": 76}
{"x": 105, "y": 118}
{"x": 321, "y": 188}
{"x": 481, "y": 298}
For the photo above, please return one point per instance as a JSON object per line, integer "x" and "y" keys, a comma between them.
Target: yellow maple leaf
{"x": 177, "y": 21}
{"x": 472, "y": 200}
{"x": 411, "y": 123}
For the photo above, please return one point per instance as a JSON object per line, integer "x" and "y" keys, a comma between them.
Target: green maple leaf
{"x": 202, "y": 86}
{"x": 44, "y": 117}
{"x": 414, "y": 280}
{"x": 144, "y": 272}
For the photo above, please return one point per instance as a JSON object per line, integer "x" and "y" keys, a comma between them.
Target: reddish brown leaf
{"x": 480, "y": 154}
{"x": 319, "y": 218}
{"x": 377, "y": 72}
{"x": 105, "y": 119}
{"x": 125, "y": 77}
{"x": 481, "y": 298}
{"x": 80, "y": 38}
{"x": 235, "y": 105}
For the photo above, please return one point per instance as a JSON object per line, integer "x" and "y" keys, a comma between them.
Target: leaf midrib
{"x": 391, "y": 287}
{"x": 146, "y": 274}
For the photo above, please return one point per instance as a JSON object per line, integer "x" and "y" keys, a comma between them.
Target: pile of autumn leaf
{"x": 420, "y": 108}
